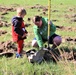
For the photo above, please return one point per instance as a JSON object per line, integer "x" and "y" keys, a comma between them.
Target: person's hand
{"x": 43, "y": 48}
{"x": 40, "y": 48}
{"x": 49, "y": 22}
{"x": 24, "y": 30}
{"x": 24, "y": 36}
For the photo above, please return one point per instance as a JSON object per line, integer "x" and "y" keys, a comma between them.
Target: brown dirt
{"x": 7, "y": 48}
{"x": 40, "y": 7}
{"x": 66, "y": 38}
{"x": 71, "y": 40}
{"x": 71, "y": 17}
{"x": 69, "y": 28}
{"x": 56, "y": 55}
{"x": 3, "y": 9}
{"x": 4, "y": 23}
{"x": 2, "y": 32}
{"x": 55, "y": 11}
{"x": 29, "y": 19}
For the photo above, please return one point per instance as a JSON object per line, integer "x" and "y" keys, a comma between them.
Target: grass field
{"x": 63, "y": 13}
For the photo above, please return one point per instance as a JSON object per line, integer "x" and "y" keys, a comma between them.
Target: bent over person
{"x": 19, "y": 32}
{"x": 41, "y": 33}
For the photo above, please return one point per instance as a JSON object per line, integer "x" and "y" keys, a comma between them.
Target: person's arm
{"x": 53, "y": 27}
{"x": 38, "y": 37}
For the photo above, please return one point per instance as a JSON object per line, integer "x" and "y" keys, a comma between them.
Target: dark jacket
{"x": 18, "y": 28}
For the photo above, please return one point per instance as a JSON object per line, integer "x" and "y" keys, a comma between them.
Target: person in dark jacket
{"x": 19, "y": 32}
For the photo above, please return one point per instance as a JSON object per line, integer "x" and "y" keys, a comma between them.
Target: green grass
{"x": 23, "y": 67}
{"x": 23, "y": 2}
{"x": 13, "y": 66}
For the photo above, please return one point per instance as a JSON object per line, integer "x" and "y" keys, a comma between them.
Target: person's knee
{"x": 34, "y": 43}
{"x": 57, "y": 40}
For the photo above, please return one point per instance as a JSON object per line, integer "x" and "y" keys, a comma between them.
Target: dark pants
{"x": 50, "y": 39}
